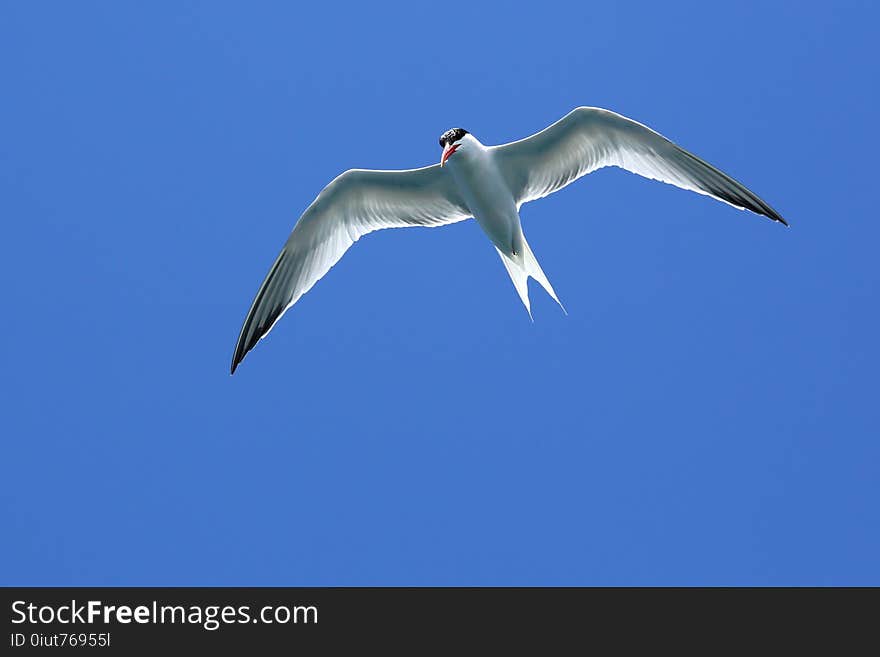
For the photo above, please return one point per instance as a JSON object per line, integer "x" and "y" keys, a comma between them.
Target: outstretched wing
{"x": 589, "y": 138}
{"x": 354, "y": 204}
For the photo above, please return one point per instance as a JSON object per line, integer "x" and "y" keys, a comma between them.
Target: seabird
{"x": 488, "y": 183}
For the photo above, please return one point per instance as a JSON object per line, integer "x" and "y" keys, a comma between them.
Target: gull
{"x": 487, "y": 183}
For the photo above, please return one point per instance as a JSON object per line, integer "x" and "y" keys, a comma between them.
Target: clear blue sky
{"x": 706, "y": 414}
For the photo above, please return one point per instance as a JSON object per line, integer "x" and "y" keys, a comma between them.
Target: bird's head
{"x": 450, "y": 141}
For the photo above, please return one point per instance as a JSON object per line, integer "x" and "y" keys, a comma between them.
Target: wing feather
{"x": 356, "y": 203}
{"x": 590, "y": 138}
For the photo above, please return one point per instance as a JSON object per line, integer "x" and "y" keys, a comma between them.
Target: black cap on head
{"x": 452, "y": 136}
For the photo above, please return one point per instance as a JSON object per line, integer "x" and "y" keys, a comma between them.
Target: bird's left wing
{"x": 589, "y": 138}
{"x": 356, "y": 203}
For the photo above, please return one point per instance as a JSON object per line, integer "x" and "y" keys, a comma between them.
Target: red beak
{"x": 447, "y": 151}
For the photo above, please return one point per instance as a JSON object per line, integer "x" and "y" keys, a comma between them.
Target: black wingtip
{"x": 783, "y": 222}
{"x": 767, "y": 211}
{"x": 236, "y": 359}
{"x": 241, "y": 350}
{"x": 778, "y": 218}
{"x": 770, "y": 213}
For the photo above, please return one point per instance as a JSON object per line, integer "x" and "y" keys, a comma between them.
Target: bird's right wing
{"x": 356, "y": 203}
{"x": 589, "y": 138}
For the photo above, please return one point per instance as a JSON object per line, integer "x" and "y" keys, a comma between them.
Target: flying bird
{"x": 487, "y": 183}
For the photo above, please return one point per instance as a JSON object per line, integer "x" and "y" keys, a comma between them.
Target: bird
{"x": 486, "y": 183}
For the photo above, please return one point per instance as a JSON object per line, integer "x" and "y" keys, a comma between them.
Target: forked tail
{"x": 519, "y": 267}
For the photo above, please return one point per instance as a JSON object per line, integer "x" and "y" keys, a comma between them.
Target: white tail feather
{"x": 534, "y": 270}
{"x": 519, "y": 277}
{"x": 520, "y": 268}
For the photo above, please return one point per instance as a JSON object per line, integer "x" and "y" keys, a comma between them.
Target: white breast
{"x": 486, "y": 193}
